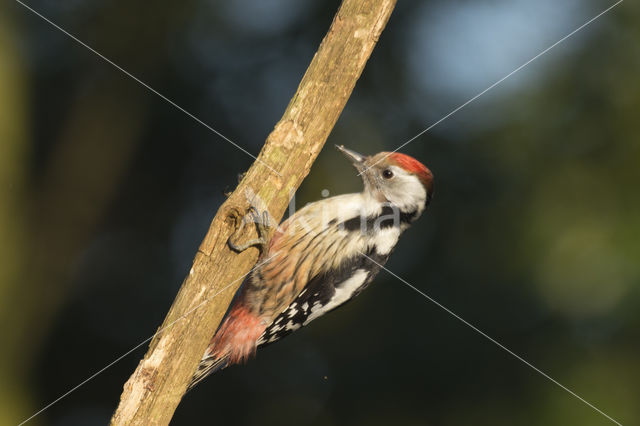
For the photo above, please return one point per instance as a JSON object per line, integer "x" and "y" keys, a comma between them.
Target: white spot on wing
{"x": 344, "y": 291}
{"x": 292, "y": 310}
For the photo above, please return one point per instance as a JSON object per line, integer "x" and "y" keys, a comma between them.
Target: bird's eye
{"x": 387, "y": 174}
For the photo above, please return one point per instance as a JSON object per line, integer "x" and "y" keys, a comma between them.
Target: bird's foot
{"x": 262, "y": 226}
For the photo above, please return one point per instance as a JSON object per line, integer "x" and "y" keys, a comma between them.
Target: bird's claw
{"x": 262, "y": 226}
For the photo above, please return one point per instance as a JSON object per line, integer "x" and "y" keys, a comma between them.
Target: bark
{"x": 155, "y": 389}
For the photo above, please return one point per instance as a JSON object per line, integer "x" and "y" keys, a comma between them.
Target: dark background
{"x": 533, "y": 236}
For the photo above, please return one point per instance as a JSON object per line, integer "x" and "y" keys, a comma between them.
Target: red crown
{"x": 412, "y": 165}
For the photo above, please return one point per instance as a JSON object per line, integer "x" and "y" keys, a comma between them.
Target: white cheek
{"x": 407, "y": 193}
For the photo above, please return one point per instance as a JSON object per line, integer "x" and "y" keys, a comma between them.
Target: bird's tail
{"x": 234, "y": 342}
{"x": 208, "y": 365}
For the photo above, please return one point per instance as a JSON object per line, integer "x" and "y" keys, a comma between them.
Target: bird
{"x": 320, "y": 258}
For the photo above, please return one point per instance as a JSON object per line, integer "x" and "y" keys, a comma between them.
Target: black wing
{"x": 324, "y": 293}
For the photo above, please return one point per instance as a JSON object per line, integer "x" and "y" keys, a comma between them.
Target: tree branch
{"x": 155, "y": 389}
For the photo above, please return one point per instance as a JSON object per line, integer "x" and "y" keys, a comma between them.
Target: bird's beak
{"x": 356, "y": 159}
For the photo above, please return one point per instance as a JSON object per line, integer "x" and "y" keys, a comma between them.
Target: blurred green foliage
{"x": 533, "y": 235}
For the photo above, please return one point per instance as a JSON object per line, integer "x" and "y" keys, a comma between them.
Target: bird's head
{"x": 394, "y": 177}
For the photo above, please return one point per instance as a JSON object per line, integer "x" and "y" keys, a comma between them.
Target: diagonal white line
{"x": 121, "y": 357}
{"x": 494, "y": 341}
{"x": 142, "y": 83}
{"x": 496, "y": 83}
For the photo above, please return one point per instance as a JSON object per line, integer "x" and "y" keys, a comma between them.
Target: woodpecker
{"x": 320, "y": 257}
